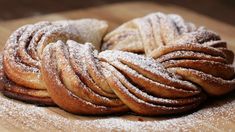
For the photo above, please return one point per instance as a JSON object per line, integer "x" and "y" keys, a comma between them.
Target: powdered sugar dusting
{"x": 148, "y": 64}
{"x": 218, "y": 116}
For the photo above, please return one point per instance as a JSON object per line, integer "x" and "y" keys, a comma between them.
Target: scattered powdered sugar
{"x": 219, "y": 115}
{"x": 179, "y": 22}
{"x": 189, "y": 55}
{"x": 114, "y": 57}
{"x": 201, "y": 35}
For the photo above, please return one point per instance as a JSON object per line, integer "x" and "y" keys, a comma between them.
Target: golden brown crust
{"x": 22, "y": 54}
{"x": 210, "y": 67}
{"x": 195, "y": 54}
{"x": 12, "y": 90}
{"x": 153, "y": 90}
{"x": 185, "y": 64}
{"x": 145, "y": 34}
{"x": 142, "y": 102}
{"x": 29, "y": 99}
{"x": 65, "y": 85}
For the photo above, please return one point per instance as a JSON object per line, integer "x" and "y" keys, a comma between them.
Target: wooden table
{"x": 216, "y": 114}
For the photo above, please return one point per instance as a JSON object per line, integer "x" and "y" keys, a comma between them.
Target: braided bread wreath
{"x": 154, "y": 65}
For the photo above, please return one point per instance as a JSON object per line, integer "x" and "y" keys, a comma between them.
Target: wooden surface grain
{"x": 217, "y": 114}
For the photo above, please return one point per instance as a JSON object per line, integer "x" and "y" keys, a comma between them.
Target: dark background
{"x": 222, "y": 10}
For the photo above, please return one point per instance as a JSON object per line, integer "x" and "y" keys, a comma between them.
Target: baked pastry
{"x": 195, "y": 53}
{"x": 146, "y": 34}
{"x": 206, "y": 63}
{"x": 72, "y": 86}
{"x": 177, "y": 67}
{"x": 82, "y": 81}
{"x": 22, "y": 54}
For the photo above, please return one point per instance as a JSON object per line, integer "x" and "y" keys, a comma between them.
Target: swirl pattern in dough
{"x": 194, "y": 53}
{"x": 73, "y": 73}
{"x": 22, "y": 54}
{"x": 173, "y": 66}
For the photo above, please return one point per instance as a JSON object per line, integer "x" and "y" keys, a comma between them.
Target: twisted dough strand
{"x": 203, "y": 65}
{"x": 195, "y": 54}
{"x": 42, "y": 65}
{"x": 144, "y": 35}
{"x": 145, "y": 92}
{"x": 22, "y": 54}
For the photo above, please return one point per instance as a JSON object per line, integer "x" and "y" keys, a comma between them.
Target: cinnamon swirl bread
{"x": 23, "y": 51}
{"x": 73, "y": 72}
{"x": 155, "y": 65}
{"x": 194, "y": 53}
